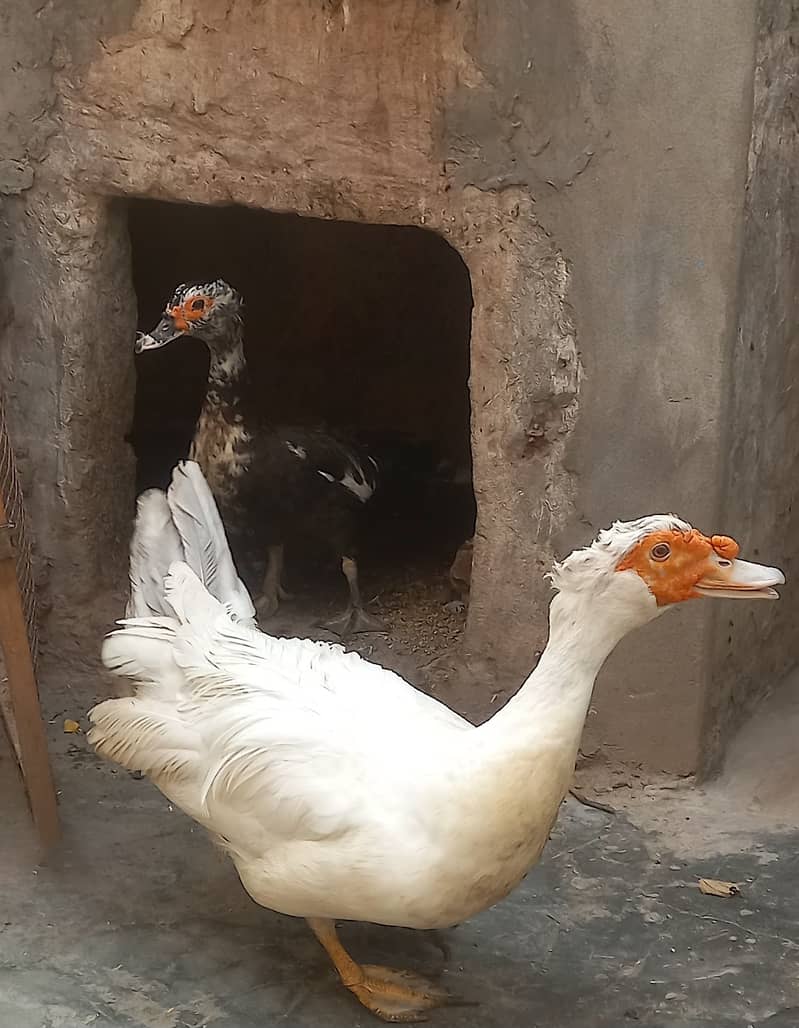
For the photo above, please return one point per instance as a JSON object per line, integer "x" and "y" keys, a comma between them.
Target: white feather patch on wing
{"x": 298, "y": 451}
{"x": 155, "y": 545}
{"x": 363, "y": 489}
{"x": 142, "y": 649}
{"x": 205, "y": 544}
{"x": 260, "y": 739}
{"x": 145, "y": 736}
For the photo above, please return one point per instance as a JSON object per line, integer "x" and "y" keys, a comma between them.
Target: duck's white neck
{"x": 551, "y": 707}
{"x": 516, "y": 768}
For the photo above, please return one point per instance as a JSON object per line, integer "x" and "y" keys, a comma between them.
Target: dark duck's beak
{"x": 164, "y": 332}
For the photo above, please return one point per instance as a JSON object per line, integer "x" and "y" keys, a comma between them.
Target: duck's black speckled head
{"x": 210, "y": 311}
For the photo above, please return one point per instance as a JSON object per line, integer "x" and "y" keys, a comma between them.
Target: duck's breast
{"x": 221, "y": 446}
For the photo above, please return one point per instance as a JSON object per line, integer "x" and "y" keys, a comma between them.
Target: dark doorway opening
{"x": 359, "y": 327}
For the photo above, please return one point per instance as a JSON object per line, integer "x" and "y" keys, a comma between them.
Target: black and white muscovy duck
{"x": 266, "y": 478}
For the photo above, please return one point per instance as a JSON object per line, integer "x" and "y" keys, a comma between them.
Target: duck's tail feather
{"x": 205, "y": 547}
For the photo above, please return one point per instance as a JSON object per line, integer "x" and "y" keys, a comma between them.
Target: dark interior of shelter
{"x": 358, "y": 328}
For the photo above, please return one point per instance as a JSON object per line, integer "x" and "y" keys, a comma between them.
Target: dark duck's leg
{"x": 267, "y": 603}
{"x": 355, "y": 618}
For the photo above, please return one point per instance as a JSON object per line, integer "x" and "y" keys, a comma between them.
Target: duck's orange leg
{"x": 392, "y": 995}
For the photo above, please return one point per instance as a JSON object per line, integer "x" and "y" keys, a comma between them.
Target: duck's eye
{"x": 197, "y": 305}
{"x": 661, "y": 551}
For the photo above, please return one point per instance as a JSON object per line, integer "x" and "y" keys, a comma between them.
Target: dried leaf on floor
{"x": 71, "y": 726}
{"x": 715, "y": 887}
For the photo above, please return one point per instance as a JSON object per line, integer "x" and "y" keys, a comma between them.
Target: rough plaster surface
{"x": 64, "y": 294}
{"x": 587, "y": 161}
{"x": 70, "y": 393}
{"x": 755, "y": 648}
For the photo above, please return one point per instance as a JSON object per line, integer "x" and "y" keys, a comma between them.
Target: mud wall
{"x": 64, "y": 289}
{"x": 331, "y": 111}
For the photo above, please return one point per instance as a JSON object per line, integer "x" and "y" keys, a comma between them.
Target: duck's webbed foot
{"x": 400, "y": 996}
{"x": 354, "y": 619}
{"x": 268, "y": 600}
{"x": 395, "y": 996}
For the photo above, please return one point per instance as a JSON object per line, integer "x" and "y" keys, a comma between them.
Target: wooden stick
{"x": 593, "y": 804}
{"x": 25, "y": 694}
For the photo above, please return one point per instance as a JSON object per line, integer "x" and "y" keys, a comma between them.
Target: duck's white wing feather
{"x": 154, "y": 547}
{"x": 204, "y": 543}
{"x": 143, "y": 650}
{"x": 182, "y": 525}
{"x": 287, "y": 736}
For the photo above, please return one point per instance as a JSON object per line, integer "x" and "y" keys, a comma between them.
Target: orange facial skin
{"x": 191, "y": 310}
{"x": 671, "y": 562}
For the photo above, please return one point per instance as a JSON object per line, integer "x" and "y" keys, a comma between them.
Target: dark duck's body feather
{"x": 266, "y": 478}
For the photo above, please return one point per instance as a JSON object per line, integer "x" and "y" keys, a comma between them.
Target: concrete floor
{"x": 139, "y": 922}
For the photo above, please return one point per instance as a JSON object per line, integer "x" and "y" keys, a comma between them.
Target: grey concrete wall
{"x": 755, "y": 647}
{"x": 629, "y": 122}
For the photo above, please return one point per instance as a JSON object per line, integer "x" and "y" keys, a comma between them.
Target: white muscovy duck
{"x": 340, "y": 791}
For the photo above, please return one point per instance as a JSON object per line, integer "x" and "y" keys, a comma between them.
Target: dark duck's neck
{"x": 221, "y": 437}
{"x": 228, "y": 375}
